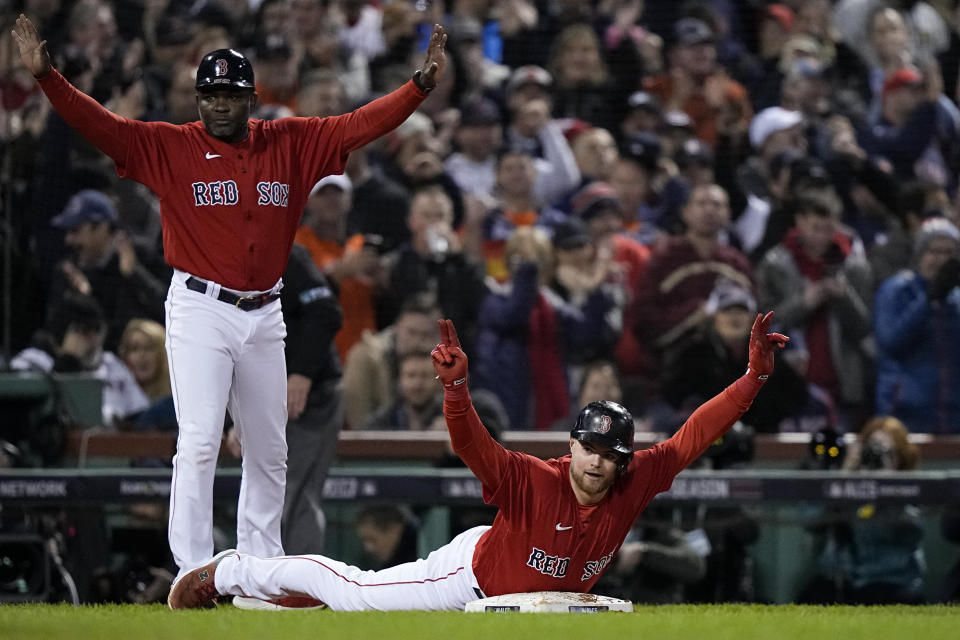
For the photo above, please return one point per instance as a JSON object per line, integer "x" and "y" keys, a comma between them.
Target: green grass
{"x": 736, "y": 622}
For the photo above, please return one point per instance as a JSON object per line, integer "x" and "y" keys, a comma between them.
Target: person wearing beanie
{"x": 916, "y": 313}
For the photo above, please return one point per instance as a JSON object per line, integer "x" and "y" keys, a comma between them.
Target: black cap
{"x": 479, "y": 112}
{"x": 645, "y": 101}
{"x": 643, "y": 148}
{"x": 571, "y": 234}
{"x": 694, "y": 151}
{"x": 690, "y": 31}
{"x": 226, "y": 69}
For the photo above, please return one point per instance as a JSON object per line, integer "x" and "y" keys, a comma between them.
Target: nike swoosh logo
{"x": 562, "y": 528}
{"x": 211, "y": 156}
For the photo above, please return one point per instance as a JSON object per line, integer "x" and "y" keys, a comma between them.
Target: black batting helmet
{"x": 225, "y": 68}
{"x": 607, "y": 424}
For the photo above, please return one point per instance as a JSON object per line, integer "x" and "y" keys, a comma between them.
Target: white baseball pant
{"x": 444, "y": 580}
{"x": 221, "y": 356}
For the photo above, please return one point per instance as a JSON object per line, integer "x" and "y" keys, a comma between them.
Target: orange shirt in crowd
{"x": 701, "y": 113}
{"x": 356, "y": 296}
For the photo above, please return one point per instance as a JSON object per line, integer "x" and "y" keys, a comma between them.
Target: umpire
{"x": 314, "y": 398}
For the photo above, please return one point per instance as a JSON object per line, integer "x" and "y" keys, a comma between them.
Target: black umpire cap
{"x": 225, "y": 68}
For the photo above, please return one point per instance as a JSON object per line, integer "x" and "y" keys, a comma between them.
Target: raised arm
{"x": 105, "y": 130}
{"x": 713, "y": 418}
{"x": 385, "y": 114}
{"x": 470, "y": 439}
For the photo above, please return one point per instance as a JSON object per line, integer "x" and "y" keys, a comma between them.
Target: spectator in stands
{"x": 871, "y": 554}
{"x": 413, "y": 158}
{"x": 372, "y": 367}
{"x": 76, "y": 344}
{"x": 351, "y": 264}
{"x": 621, "y": 261}
{"x": 916, "y": 202}
{"x": 916, "y": 127}
{"x": 916, "y": 313}
{"x": 417, "y": 402}
{"x": 104, "y": 264}
{"x": 696, "y": 85}
{"x": 379, "y": 202}
{"x": 516, "y": 205}
{"x": 321, "y": 93}
{"x": 595, "y": 152}
{"x": 388, "y": 534}
{"x": 716, "y": 353}
{"x": 644, "y": 114}
{"x": 763, "y": 180}
{"x": 434, "y": 261}
{"x": 682, "y": 272}
{"x": 819, "y": 283}
{"x": 142, "y": 350}
{"x": 599, "y": 380}
{"x": 583, "y": 87}
{"x": 478, "y": 137}
{"x": 523, "y": 324}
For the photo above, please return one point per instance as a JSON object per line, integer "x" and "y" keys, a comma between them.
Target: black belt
{"x": 245, "y": 303}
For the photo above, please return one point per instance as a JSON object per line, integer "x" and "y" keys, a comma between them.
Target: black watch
{"x": 417, "y": 80}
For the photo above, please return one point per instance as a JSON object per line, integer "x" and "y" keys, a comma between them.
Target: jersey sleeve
{"x": 323, "y": 144}
{"x": 124, "y": 140}
{"x": 485, "y": 457}
{"x": 710, "y": 421}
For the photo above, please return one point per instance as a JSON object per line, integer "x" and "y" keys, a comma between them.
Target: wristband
{"x": 418, "y": 80}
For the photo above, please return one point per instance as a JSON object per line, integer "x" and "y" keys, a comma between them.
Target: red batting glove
{"x": 449, "y": 360}
{"x": 762, "y": 346}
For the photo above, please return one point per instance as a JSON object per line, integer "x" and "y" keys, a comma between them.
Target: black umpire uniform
{"x": 313, "y": 316}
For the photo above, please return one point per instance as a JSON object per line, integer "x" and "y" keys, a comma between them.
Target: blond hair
{"x": 159, "y": 386}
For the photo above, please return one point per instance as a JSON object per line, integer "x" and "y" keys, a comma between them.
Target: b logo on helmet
{"x": 221, "y": 67}
{"x": 604, "y": 424}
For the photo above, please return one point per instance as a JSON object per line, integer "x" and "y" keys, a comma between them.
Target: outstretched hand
{"x": 763, "y": 344}
{"x": 449, "y": 360}
{"x": 436, "y": 61}
{"x": 33, "y": 50}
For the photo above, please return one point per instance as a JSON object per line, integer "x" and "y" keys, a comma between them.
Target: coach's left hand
{"x": 436, "y": 61}
{"x": 762, "y": 346}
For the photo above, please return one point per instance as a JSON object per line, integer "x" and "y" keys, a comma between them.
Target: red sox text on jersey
{"x": 225, "y": 192}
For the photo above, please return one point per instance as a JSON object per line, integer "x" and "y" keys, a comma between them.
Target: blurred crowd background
{"x": 600, "y": 194}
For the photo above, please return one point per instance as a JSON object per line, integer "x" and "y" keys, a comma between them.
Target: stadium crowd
{"x": 600, "y": 194}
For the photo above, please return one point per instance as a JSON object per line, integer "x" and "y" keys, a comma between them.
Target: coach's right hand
{"x": 449, "y": 360}
{"x": 33, "y": 51}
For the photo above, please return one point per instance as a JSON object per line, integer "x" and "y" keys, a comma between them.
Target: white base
{"x": 550, "y": 602}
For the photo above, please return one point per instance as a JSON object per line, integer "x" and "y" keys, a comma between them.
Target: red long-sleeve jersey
{"x": 230, "y": 210}
{"x": 543, "y": 539}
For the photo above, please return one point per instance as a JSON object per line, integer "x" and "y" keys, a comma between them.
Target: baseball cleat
{"x": 286, "y": 603}
{"x": 197, "y": 588}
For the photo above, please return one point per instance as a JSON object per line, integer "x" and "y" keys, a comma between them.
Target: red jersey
{"x": 230, "y": 210}
{"x": 542, "y": 538}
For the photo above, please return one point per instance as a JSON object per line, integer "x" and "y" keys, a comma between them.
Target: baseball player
{"x": 560, "y": 522}
{"x": 231, "y": 193}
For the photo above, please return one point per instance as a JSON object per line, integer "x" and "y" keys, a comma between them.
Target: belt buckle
{"x": 241, "y": 299}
